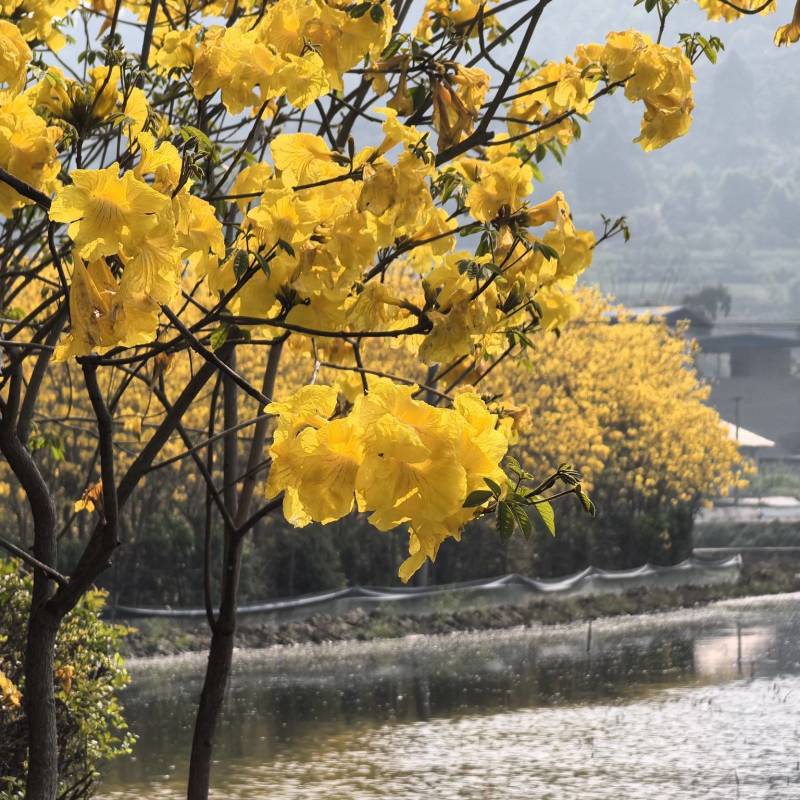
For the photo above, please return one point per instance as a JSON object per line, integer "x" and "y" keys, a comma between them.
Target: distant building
{"x": 754, "y": 377}
{"x": 754, "y": 382}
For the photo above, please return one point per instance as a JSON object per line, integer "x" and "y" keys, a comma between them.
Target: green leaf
{"x": 286, "y": 247}
{"x": 505, "y": 520}
{"x": 545, "y": 509}
{"x": 496, "y": 490}
{"x": 359, "y": 9}
{"x": 241, "y": 263}
{"x": 219, "y": 336}
{"x": 486, "y": 244}
{"x": 523, "y": 520}
{"x": 588, "y": 506}
{"x": 204, "y": 144}
{"x": 477, "y": 498}
{"x": 514, "y": 466}
{"x": 263, "y": 263}
{"x": 547, "y": 251}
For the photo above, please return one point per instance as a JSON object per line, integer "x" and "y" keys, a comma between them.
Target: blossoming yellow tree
{"x": 622, "y": 395}
{"x": 298, "y": 176}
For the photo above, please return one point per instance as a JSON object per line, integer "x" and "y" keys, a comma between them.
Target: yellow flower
{"x": 457, "y": 104}
{"x": 10, "y": 696}
{"x": 502, "y": 184}
{"x": 176, "y": 50}
{"x": 789, "y": 34}
{"x": 104, "y": 83}
{"x": 106, "y": 213}
{"x": 303, "y": 158}
{"x": 15, "y": 55}
{"x": 303, "y": 78}
{"x": 555, "y": 210}
{"x": 331, "y": 457}
{"x": 162, "y": 161}
{"x": 253, "y": 178}
{"x": 52, "y": 92}
{"x": 715, "y": 9}
{"x": 27, "y": 151}
{"x": 101, "y": 315}
{"x": 233, "y": 61}
{"x": 282, "y": 216}
{"x": 664, "y": 122}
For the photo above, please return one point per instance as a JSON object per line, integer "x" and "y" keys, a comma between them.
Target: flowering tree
{"x": 293, "y": 178}
{"x": 624, "y": 394}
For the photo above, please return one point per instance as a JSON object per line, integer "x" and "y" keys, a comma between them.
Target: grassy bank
{"x": 157, "y": 637}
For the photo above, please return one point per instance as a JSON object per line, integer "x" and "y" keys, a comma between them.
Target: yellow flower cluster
{"x": 145, "y": 231}
{"x": 84, "y": 105}
{"x": 27, "y": 151}
{"x": 15, "y": 55}
{"x": 10, "y": 696}
{"x": 660, "y": 77}
{"x": 785, "y": 35}
{"x": 321, "y": 229}
{"x": 473, "y": 312}
{"x": 546, "y": 100}
{"x": 399, "y": 459}
{"x": 300, "y": 50}
{"x": 460, "y": 14}
{"x": 27, "y": 143}
{"x": 38, "y": 19}
{"x": 715, "y": 9}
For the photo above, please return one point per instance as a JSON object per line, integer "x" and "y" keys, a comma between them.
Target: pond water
{"x": 701, "y": 703}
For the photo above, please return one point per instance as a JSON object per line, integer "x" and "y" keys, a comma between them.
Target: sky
{"x": 720, "y": 205}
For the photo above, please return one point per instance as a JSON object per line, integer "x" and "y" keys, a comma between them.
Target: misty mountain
{"x": 720, "y": 205}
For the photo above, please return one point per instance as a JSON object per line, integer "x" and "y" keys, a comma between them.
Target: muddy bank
{"x": 160, "y": 637}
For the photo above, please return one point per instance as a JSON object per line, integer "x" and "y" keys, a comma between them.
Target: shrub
{"x": 88, "y": 677}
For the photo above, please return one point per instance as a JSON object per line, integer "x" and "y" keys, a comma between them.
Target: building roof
{"x": 747, "y": 438}
{"x": 670, "y": 314}
{"x": 745, "y": 341}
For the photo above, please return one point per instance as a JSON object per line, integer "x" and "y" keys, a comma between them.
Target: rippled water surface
{"x": 692, "y": 704}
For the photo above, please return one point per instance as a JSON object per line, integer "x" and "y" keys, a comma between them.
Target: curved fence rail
{"x": 508, "y": 590}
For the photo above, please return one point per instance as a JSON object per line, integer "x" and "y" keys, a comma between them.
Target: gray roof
{"x": 745, "y": 341}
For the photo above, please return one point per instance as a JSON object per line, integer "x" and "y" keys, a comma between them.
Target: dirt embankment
{"x": 159, "y": 637}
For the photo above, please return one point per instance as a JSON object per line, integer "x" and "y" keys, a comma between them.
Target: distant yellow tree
{"x": 630, "y": 410}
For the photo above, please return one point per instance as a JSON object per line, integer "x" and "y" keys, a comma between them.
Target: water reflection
{"x": 525, "y": 713}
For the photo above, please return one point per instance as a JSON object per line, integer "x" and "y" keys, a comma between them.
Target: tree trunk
{"x": 218, "y": 671}
{"x": 223, "y": 629}
{"x": 43, "y": 620}
{"x": 40, "y": 703}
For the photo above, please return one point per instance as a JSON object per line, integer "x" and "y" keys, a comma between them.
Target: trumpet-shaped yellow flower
{"x": 107, "y": 213}
{"x": 790, "y": 33}
{"x": 500, "y": 185}
{"x": 27, "y": 151}
{"x": 302, "y": 158}
{"x": 403, "y": 461}
{"x": 715, "y": 9}
{"x": 15, "y": 55}
{"x": 176, "y": 50}
{"x": 102, "y": 315}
